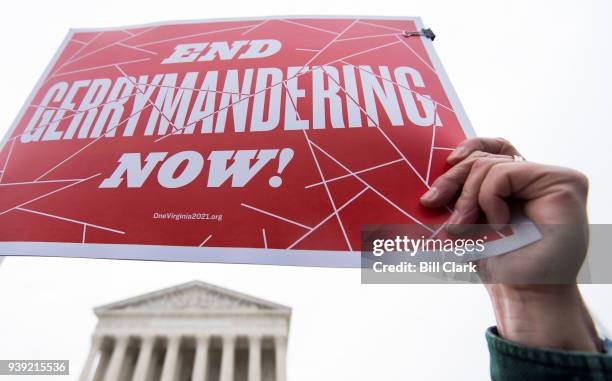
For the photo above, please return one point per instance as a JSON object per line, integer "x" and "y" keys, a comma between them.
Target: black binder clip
{"x": 428, "y": 33}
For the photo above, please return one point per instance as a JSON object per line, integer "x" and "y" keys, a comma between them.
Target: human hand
{"x": 490, "y": 181}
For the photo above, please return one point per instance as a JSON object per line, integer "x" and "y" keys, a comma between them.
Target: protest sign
{"x": 267, "y": 140}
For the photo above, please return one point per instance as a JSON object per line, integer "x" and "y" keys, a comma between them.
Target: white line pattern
{"x": 47, "y": 194}
{"x": 69, "y": 220}
{"x": 8, "y": 157}
{"x": 275, "y": 216}
{"x": 357, "y": 172}
{"x": 206, "y": 240}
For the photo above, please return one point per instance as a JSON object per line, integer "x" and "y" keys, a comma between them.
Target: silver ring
{"x": 518, "y": 158}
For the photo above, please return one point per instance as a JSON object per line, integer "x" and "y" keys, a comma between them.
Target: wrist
{"x": 550, "y": 316}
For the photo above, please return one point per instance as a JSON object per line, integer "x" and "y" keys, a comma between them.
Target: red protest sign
{"x": 228, "y": 140}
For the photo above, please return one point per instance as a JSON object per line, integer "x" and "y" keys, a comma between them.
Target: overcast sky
{"x": 537, "y": 73}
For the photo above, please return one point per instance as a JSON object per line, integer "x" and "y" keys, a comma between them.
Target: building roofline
{"x": 268, "y": 306}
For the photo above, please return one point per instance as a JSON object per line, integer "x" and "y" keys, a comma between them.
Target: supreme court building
{"x": 194, "y": 331}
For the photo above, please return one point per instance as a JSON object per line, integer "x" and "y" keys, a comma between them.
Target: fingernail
{"x": 457, "y": 153}
{"x": 431, "y": 194}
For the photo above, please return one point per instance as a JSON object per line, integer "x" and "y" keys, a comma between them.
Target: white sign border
{"x": 525, "y": 233}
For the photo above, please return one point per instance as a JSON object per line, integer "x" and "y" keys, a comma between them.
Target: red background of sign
{"x": 91, "y": 55}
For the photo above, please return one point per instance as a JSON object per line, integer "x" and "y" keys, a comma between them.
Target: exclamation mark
{"x": 286, "y": 154}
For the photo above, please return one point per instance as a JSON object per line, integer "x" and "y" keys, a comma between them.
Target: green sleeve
{"x": 511, "y": 361}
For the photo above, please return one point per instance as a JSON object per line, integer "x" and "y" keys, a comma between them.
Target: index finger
{"x": 497, "y": 146}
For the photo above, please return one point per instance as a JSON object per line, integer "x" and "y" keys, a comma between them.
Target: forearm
{"x": 546, "y": 316}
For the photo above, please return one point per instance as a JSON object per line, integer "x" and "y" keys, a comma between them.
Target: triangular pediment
{"x": 193, "y": 296}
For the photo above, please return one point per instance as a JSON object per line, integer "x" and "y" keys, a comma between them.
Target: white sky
{"x": 536, "y": 73}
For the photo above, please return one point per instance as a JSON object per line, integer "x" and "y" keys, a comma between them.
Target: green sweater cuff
{"x": 513, "y": 361}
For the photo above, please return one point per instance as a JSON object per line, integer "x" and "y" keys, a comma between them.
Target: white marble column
{"x": 117, "y": 358}
{"x": 94, "y": 350}
{"x": 227, "y": 358}
{"x": 200, "y": 363}
{"x": 102, "y": 364}
{"x": 171, "y": 359}
{"x": 254, "y": 358}
{"x": 280, "y": 345}
{"x": 143, "y": 364}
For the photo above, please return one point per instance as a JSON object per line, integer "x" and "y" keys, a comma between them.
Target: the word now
{"x": 182, "y": 168}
